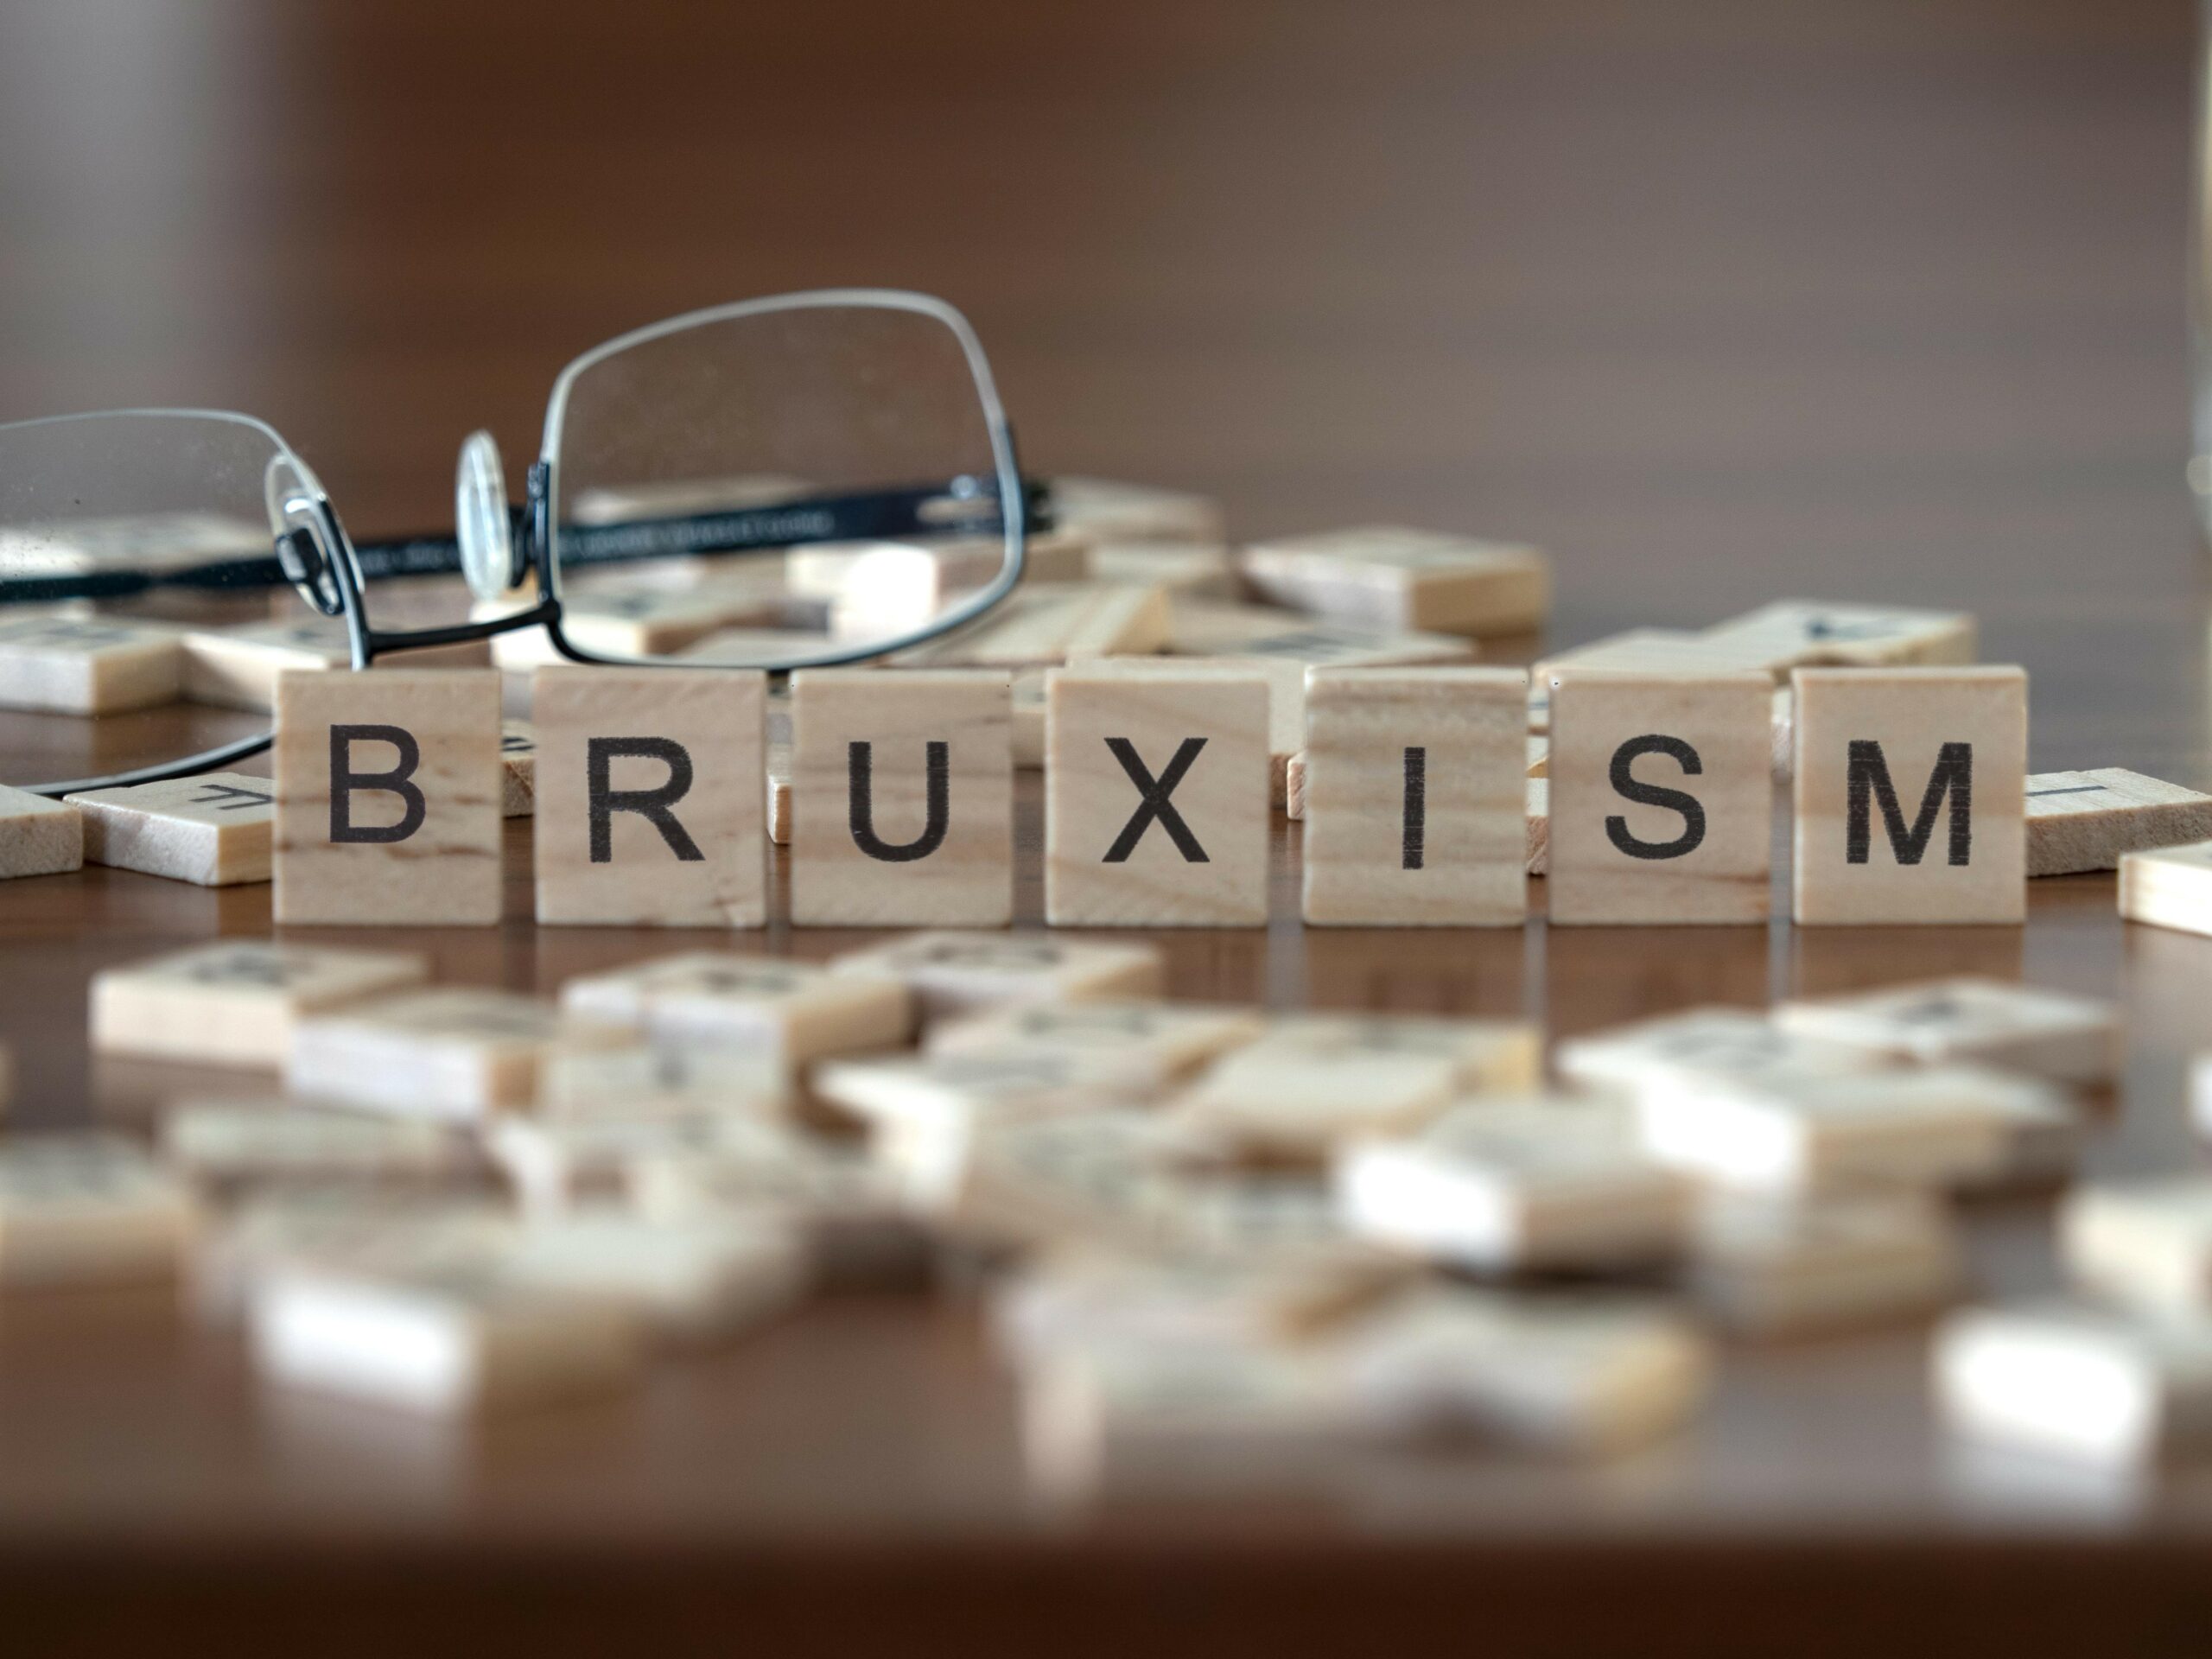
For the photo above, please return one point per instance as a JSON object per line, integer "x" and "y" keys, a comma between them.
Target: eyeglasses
{"x": 791, "y": 482}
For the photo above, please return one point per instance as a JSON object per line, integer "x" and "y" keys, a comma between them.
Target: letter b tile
{"x": 388, "y": 795}
{"x": 1912, "y": 790}
{"x": 1156, "y": 798}
{"x": 1661, "y": 796}
{"x": 902, "y": 798}
{"x": 648, "y": 806}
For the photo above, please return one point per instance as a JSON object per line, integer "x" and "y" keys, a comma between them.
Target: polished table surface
{"x": 1719, "y": 304}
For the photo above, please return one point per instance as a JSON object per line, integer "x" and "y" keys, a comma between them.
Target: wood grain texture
{"x": 2080, "y": 821}
{"x": 906, "y": 851}
{"x": 443, "y": 873}
{"x": 1463, "y": 863}
{"x": 1157, "y": 796}
{"x": 694, "y": 859}
{"x": 1968, "y": 855}
{"x": 213, "y": 829}
{"x": 38, "y": 835}
{"x": 1702, "y": 857}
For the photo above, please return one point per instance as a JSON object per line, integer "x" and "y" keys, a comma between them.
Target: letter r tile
{"x": 902, "y": 798}
{"x": 649, "y": 809}
{"x": 1911, "y": 795}
{"x": 1156, "y": 795}
{"x": 1661, "y": 796}
{"x": 388, "y": 797}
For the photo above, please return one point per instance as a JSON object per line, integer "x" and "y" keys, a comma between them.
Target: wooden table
{"x": 1719, "y": 304}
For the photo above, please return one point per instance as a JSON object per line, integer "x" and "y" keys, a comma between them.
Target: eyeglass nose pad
{"x": 292, "y": 493}
{"x": 482, "y": 521}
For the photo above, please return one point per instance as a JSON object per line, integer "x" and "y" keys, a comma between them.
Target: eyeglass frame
{"x": 303, "y": 555}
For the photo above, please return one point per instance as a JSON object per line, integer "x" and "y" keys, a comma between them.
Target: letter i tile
{"x": 902, "y": 798}
{"x": 1912, "y": 789}
{"x": 388, "y": 795}
{"x": 1661, "y": 796}
{"x": 649, "y": 808}
{"x": 1156, "y": 799}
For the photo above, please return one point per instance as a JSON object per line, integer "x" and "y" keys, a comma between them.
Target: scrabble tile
{"x": 554, "y": 1163}
{"x": 2143, "y": 1242}
{"x": 925, "y": 1114}
{"x": 1204, "y": 627}
{"x": 388, "y": 799}
{"x": 652, "y": 783}
{"x": 2170, "y": 887}
{"x": 1278, "y": 1102}
{"x": 649, "y": 621}
{"x": 1661, "y": 797}
{"x": 700, "y": 1279}
{"x": 1805, "y": 634}
{"x": 517, "y": 768}
{"x": 2082, "y": 820}
{"x": 1486, "y": 1056}
{"x": 953, "y": 973}
{"x": 1702, "y": 1045}
{"x": 1156, "y": 800}
{"x": 1637, "y": 650}
{"x": 67, "y": 665}
{"x": 1768, "y": 1267}
{"x": 790, "y": 1013}
{"x": 1909, "y": 789}
{"x": 443, "y": 1342}
{"x": 1053, "y": 623}
{"x": 454, "y": 1054}
{"x": 895, "y": 587}
{"x": 231, "y": 1145}
{"x": 1388, "y": 576}
{"x": 274, "y": 1229}
{"x": 1150, "y": 1417}
{"x": 1294, "y": 787}
{"x": 1538, "y": 844}
{"x": 1110, "y": 511}
{"x": 1102, "y": 1177}
{"x": 38, "y": 837}
{"x": 1087, "y": 1298}
{"x": 1574, "y": 1373}
{"x": 1782, "y": 729}
{"x": 1415, "y": 797}
{"x": 902, "y": 799}
{"x": 1931, "y": 1127}
{"x": 1286, "y": 683}
{"x": 659, "y": 1079}
{"x": 2054, "y": 1034}
{"x": 235, "y": 1001}
{"x": 1155, "y": 1044}
{"x": 2106, "y": 1386}
{"x": 1204, "y": 570}
{"x": 1511, "y": 1185}
{"x": 236, "y": 666}
{"x": 213, "y": 829}
{"x": 87, "y": 1209}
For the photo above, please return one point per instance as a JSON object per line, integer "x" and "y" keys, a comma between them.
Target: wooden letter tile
{"x": 1911, "y": 792}
{"x": 962, "y": 973}
{"x": 517, "y": 768}
{"x": 1661, "y": 797}
{"x": 1156, "y": 800}
{"x": 790, "y": 1013}
{"x": 388, "y": 799}
{"x": 2085, "y": 820}
{"x": 649, "y": 781}
{"x": 38, "y": 837}
{"x": 88, "y": 665}
{"x": 902, "y": 798}
{"x": 1392, "y": 577}
{"x": 234, "y": 1002}
{"x": 2171, "y": 887}
{"x": 2054, "y": 1034}
{"x": 87, "y": 1209}
{"x": 213, "y": 829}
{"x": 454, "y": 1054}
{"x": 1414, "y": 796}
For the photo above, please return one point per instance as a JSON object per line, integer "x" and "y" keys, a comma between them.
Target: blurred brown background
{"x": 1870, "y": 298}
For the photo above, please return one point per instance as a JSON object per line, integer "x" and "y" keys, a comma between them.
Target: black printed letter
{"x": 1674, "y": 800}
{"x": 344, "y": 780}
{"x": 936, "y": 765}
{"x": 651, "y": 804}
{"x": 1155, "y": 802}
{"x": 1868, "y": 781}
